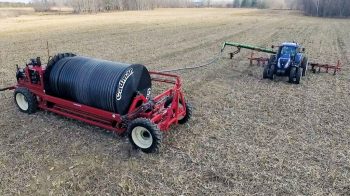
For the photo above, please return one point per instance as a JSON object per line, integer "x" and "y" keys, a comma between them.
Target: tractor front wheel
{"x": 145, "y": 135}
{"x": 295, "y": 75}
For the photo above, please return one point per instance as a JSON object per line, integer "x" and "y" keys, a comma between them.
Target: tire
{"x": 292, "y": 74}
{"x": 271, "y": 73}
{"x": 189, "y": 109}
{"x": 304, "y": 65}
{"x": 266, "y": 72}
{"x": 144, "y": 135}
{"x": 267, "y": 68}
{"x": 295, "y": 75}
{"x": 298, "y": 75}
{"x": 272, "y": 59}
{"x": 188, "y": 114}
{"x": 25, "y": 100}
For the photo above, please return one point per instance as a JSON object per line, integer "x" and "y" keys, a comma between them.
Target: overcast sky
{"x": 23, "y": 1}
{"x": 26, "y": 1}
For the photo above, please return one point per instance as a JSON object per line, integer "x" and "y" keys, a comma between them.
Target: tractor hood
{"x": 284, "y": 62}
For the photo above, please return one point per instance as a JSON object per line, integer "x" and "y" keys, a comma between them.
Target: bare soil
{"x": 247, "y": 136}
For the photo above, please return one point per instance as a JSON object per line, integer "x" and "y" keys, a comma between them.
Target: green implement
{"x": 239, "y": 46}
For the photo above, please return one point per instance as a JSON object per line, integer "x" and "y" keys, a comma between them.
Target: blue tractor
{"x": 289, "y": 60}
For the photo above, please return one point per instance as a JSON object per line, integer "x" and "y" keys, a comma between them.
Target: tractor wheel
{"x": 295, "y": 75}
{"x": 268, "y": 68}
{"x": 292, "y": 74}
{"x": 298, "y": 75}
{"x": 272, "y": 59}
{"x": 182, "y": 119}
{"x": 266, "y": 72}
{"x": 145, "y": 135}
{"x": 25, "y": 101}
{"x": 271, "y": 72}
{"x": 304, "y": 65}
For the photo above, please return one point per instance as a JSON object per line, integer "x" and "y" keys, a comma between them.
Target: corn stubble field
{"x": 247, "y": 135}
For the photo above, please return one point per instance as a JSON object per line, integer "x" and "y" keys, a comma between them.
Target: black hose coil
{"x": 98, "y": 83}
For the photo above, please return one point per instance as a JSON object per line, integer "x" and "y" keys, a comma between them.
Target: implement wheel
{"x": 144, "y": 135}
{"x": 25, "y": 101}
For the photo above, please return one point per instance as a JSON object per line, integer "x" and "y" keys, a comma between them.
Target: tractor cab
{"x": 288, "y": 54}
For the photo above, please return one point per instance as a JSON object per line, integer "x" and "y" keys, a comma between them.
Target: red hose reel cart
{"x": 143, "y": 123}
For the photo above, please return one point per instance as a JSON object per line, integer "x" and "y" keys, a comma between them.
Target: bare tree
{"x": 321, "y": 8}
{"x": 325, "y": 8}
{"x": 42, "y": 5}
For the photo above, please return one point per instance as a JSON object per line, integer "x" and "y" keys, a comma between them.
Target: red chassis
{"x": 163, "y": 110}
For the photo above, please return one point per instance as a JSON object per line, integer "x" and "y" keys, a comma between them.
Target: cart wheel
{"x": 25, "y": 100}
{"x": 144, "y": 135}
{"x": 188, "y": 115}
{"x": 189, "y": 109}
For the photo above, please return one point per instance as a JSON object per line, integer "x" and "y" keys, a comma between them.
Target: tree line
{"x": 13, "y": 4}
{"x": 80, "y": 6}
{"x": 322, "y": 8}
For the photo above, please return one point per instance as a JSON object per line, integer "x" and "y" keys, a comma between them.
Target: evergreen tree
{"x": 237, "y": 3}
{"x": 246, "y": 3}
{"x": 254, "y": 3}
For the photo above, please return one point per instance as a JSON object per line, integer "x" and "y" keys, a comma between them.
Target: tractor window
{"x": 288, "y": 50}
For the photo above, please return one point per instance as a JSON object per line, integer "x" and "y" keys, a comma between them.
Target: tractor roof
{"x": 291, "y": 44}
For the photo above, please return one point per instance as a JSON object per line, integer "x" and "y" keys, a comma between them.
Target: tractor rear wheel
{"x": 266, "y": 72}
{"x": 25, "y": 100}
{"x": 145, "y": 135}
{"x": 298, "y": 75}
{"x": 272, "y": 59}
{"x": 271, "y": 72}
{"x": 292, "y": 74}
